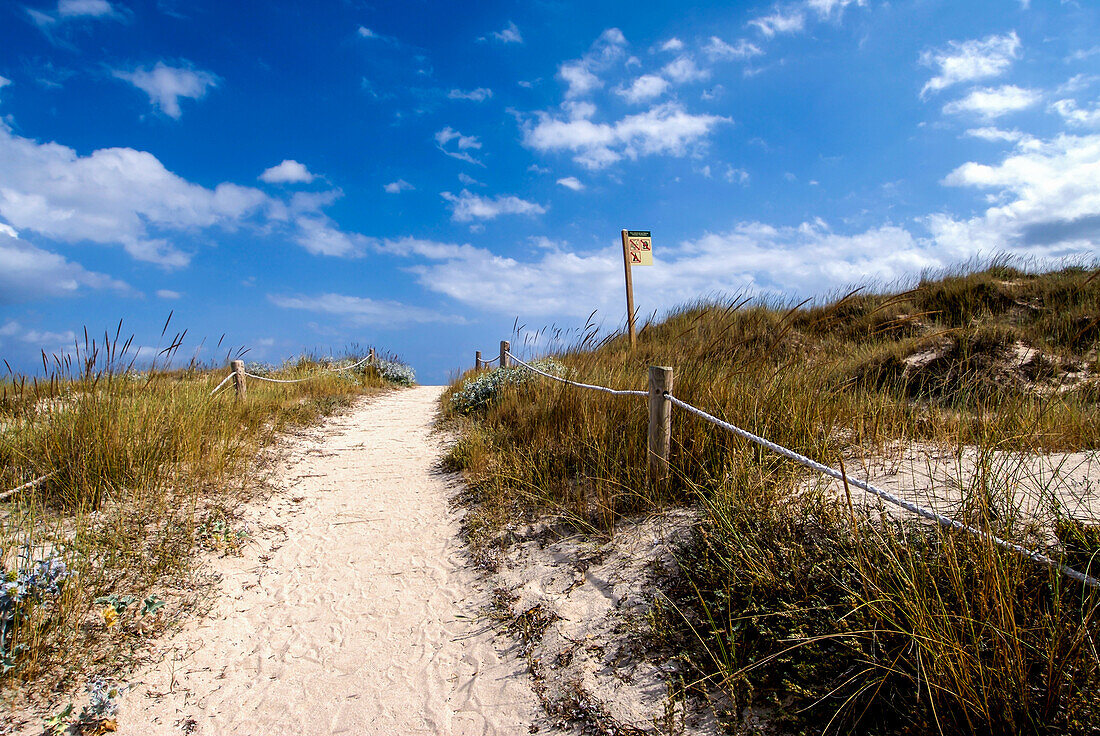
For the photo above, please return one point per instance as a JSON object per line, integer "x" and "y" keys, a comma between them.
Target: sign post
{"x": 637, "y": 251}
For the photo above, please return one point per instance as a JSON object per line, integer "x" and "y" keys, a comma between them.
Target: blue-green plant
{"x": 478, "y": 391}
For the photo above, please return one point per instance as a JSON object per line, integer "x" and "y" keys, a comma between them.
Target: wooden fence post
{"x": 660, "y": 421}
{"x": 238, "y": 377}
{"x": 505, "y": 359}
{"x": 371, "y": 354}
{"x": 477, "y": 360}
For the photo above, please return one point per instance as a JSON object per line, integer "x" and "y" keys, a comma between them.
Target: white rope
{"x": 277, "y": 380}
{"x": 889, "y": 497}
{"x": 224, "y": 381}
{"x": 349, "y": 367}
{"x": 25, "y": 486}
{"x": 566, "y": 381}
{"x": 1033, "y": 555}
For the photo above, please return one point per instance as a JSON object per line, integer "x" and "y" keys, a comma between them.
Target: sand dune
{"x": 353, "y": 613}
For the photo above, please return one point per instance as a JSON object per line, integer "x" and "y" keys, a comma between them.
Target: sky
{"x": 425, "y": 177}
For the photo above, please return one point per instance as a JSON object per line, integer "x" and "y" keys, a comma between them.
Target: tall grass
{"x": 144, "y": 468}
{"x": 829, "y": 620}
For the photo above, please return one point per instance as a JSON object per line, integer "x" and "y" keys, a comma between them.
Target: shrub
{"x": 479, "y": 390}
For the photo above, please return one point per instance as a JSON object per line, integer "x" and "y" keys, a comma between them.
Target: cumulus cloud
{"x": 644, "y": 88}
{"x": 288, "y": 172}
{"x": 74, "y": 10}
{"x": 468, "y": 206}
{"x": 29, "y": 273}
{"x": 827, "y": 8}
{"x": 510, "y": 34}
{"x": 717, "y": 49}
{"x": 581, "y": 75}
{"x": 166, "y": 85}
{"x": 683, "y": 69}
{"x": 1046, "y": 195}
{"x": 464, "y": 143}
{"x": 168, "y": 294}
{"x": 781, "y": 21}
{"x": 993, "y": 102}
{"x": 361, "y": 310}
{"x": 112, "y": 195}
{"x": 969, "y": 61}
{"x": 664, "y": 129}
{"x": 321, "y": 237}
{"x": 571, "y": 182}
{"x": 672, "y": 44}
{"x": 477, "y": 95}
{"x": 396, "y": 187}
{"x": 1077, "y": 116}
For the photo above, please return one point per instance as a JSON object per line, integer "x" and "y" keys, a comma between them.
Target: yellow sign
{"x": 639, "y": 247}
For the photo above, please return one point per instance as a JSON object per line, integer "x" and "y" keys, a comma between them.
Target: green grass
{"x": 877, "y": 626}
{"x": 146, "y": 468}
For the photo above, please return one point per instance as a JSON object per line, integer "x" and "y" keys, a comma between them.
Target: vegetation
{"x": 142, "y": 469}
{"x": 790, "y": 603}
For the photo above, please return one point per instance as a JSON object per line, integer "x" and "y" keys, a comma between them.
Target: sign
{"x": 639, "y": 247}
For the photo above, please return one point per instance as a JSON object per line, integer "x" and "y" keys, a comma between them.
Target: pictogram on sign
{"x": 640, "y": 247}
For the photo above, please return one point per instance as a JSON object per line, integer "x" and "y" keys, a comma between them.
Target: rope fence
{"x": 238, "y": 374}
{"x": 661, "y": 399}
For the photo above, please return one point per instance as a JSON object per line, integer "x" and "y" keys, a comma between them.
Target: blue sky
{"x": 419, "y": 175}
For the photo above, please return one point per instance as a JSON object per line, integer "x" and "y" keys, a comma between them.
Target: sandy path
{"x": 359, "y": 619}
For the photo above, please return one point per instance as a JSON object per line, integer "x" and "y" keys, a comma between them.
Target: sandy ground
{"x": 354, "y": 612}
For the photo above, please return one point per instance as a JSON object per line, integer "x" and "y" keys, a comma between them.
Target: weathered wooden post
{"x": 660, "y": 421}
{"x": 477, "y": 360}
{"x": 505, "y": 358}
{"x": 371, "y": 355}
{"x": 238, "y": 377}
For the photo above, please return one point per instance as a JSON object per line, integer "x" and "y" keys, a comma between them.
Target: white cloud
{"x": 168, "y": 294}
{"x": 716, "y": 49}
{"x": 510, "y": 34}
{"x": 1082, "y": 54}
{"x": 28, "y": 273}
{"x": 826, "y": 8}
{"x": 477, "y": 95}
{"x": 571, "y": 182}
{"x": 288, "y": 172}
{"x": 365, "y": 32}
{"x": 683, "y": 69}
{"x": 672, "y": 44}
{"x": 969, "y": 61}
{"x": 112, "y": 195}
{"x": 993, "y": 102}
{"x": 737, "y": 176}
{"x": 468, "y": 206}
{"x": 361, "y": 310}
{"x": 1076, "y": 116}
{"x": 395, "y": 187}
{"x": 806, "y": 260}
{"x": 318, "y": 235}
{"x": 464, "y": 143}
{"x": 578, "y": 79}
{"x": 781, "y": 21}
{"x": 1046, "y": 197}
{"x": 580, "y": 75}
{"x": 165, "y": 85}
{"x": 644, "y": 88}
{"x": 84, "y": 8}
{"x": 996, "y": 135}
{"x": 664, "y": 129}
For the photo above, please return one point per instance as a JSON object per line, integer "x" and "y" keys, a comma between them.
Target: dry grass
{"x": 145, "y": 469}
{"x": 872, "y": 626}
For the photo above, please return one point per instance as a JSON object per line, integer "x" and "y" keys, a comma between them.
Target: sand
{"x": 353, "y": 611}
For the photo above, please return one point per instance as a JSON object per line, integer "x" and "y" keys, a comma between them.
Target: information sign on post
{"x": 637, "y": 251}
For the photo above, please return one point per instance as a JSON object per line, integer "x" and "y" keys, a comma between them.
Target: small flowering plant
{"x": 21, "y": 592}
{"x": 478, "y": 391}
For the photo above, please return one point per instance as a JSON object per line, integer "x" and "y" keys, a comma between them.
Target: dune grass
{"x": 795, "y": 606}
{"x": 143, "y": 469}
